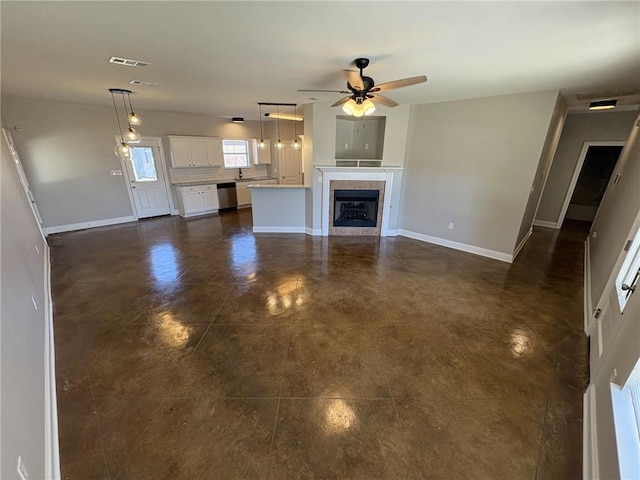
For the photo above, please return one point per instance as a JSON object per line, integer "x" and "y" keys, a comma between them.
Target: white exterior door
{"x": 146, "y": 179}
{"x": 290, "y": 166}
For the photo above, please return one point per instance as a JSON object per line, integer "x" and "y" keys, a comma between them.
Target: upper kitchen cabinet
{"x": 194, "y": 151}
{"x": 261, "y": 156}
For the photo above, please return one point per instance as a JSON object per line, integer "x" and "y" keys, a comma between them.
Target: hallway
{"x": 198, "y": 350}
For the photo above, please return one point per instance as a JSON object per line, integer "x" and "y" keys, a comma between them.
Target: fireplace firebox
{"x": 355, "y": 208}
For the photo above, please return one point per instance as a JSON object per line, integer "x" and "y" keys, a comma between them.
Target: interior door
{"x": 147, "y": 181}
{"x": 290, "y": 166}
{"x": 23, "y": 179}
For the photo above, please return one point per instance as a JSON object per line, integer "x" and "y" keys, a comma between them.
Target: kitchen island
{"x": 278, "y": 208}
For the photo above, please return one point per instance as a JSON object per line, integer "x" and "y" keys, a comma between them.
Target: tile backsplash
{"x": 197, "y": 174}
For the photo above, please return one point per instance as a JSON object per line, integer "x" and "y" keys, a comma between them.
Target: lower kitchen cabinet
{"x": 244, "y": 194}
{"x": 197, "y": 200}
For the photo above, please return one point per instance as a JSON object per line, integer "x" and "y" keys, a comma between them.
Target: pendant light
{"x": 131, "y": 136}
{"x": 134, "y": 118}
{"x": 123, "y": 151}
{"x": 296, "y": 144}
{"x": 278, "y": 145}
{"x": 261, "y": 145}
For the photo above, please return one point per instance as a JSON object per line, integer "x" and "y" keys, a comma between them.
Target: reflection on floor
{"x": 194, "y": 349}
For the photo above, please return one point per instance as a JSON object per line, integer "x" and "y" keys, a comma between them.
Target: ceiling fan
{"x": 362, "y": 92}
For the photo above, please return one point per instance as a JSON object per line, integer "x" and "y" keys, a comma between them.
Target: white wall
{"x": 578, "y": 129}
{"x": 472, "y": 163}
{"x": 617, "y": 212}
{"x": 618, "y": 335}
{"x": 67, "y": 151}
{"x": 23, "y": 333}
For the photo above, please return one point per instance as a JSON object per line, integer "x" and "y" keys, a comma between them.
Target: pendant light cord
{"x": 117, "y": 117}
{"x": 261, "y": 134}
{"x": 130, "y": 106}
{"x": 295, "y": 127}
{"x": 278, "y": 110}
{"x": 125, "y": 109}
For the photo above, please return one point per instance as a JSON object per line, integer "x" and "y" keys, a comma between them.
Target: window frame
{"x": 235, "y": 143}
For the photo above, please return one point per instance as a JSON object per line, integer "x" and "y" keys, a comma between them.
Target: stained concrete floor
{"x": 198, "y": 350}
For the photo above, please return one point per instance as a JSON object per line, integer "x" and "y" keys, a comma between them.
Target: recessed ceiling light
{"x": 603, "y": 105}
{"x": 128, "y": 62}
{"x": 237, "y": 119}
{"x": 140, "y": 83}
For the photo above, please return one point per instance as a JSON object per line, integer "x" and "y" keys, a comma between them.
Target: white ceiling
{"x": 221, "y": 58}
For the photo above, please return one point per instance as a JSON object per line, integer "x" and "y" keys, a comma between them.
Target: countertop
{"x": 195, "y": 183}
{"x": 277, "y": 186}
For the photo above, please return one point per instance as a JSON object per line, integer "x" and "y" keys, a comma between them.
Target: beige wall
{"x": 23, "y": 331}
{"x": 541, "y": 175}
{"x": 472, "y": 163}
{"x": 578, "y": 128}
{"x": 67, "y": 151}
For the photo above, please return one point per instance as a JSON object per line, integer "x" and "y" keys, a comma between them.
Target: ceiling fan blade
{"x": 331, "y": 91}
{"x": 354, "y": 79}
{"x": 341, "y": 101}
{"x": 384, "y": 100}
{"x": 405, "y": 82}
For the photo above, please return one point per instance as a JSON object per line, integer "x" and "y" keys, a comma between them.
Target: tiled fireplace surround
{"x": 343, "y": 178}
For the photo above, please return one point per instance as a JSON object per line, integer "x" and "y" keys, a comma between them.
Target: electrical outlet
{"x": 22, "y": 469}
{"x": 319, "y": 179}
{"x": 116, "y": 172}
{"x": 346, "y": 146}
{"x": 366, "y": 146}
{"x": 450, "y": 226}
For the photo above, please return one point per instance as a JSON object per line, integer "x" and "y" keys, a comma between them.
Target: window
{"x": 235, "y": 153}
{"x": 144, "y": 168}
{"x": 627, "y": 279}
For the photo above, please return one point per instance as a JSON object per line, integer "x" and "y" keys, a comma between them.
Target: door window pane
{"x": 144, "y": 166}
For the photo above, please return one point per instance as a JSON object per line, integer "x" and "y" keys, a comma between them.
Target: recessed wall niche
{"x": 359, "y": 138}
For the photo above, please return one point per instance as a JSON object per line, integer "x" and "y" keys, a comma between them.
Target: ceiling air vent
{"x": 127, "y": 62}
{"x": 140, "y": 83}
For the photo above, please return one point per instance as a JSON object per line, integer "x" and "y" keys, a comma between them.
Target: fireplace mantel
{"x": 384, "y": 174}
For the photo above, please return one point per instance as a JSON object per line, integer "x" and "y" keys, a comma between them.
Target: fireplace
{"x": 355, "y": 208}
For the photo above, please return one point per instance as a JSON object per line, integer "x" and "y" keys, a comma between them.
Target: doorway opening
{"x": 591, "y": 178}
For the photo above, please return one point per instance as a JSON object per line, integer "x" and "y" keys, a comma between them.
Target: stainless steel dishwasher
{"x": 227, "y": 195}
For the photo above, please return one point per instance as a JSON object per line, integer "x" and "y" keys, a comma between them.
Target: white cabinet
{"x": 261, "y": 156}
{"x": 188, "y": 152}
{"x": 243, "y": 194}
{"x": 197, "y": 200}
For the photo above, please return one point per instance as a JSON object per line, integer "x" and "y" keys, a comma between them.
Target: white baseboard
{"x": 391, "y": 233}
{"x": 314, "y": 232}
{"x": 279, "y": 230}
{"x": 544, "y": 223}
{"x": 590, "y": 462}
{"x": 96, "y": 223}
{"x": 521, "y": 244}
{"x": 503, "y": 257}
{"x": 52, "y": 453}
